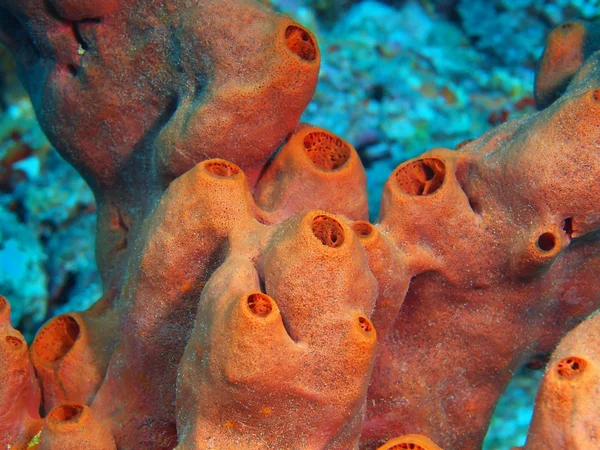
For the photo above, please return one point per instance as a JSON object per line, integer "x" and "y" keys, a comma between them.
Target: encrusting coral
{"x": 248, "y": 303}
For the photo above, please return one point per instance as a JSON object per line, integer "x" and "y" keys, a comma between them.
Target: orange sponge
{"x": 74, "y": 427}
{"x": 500, "y": 240}
{"x": 566, "y": 413}
{"x": 19, "y": 391}
{"x": 410, "y": 442}
{"x": 567, "y": 48}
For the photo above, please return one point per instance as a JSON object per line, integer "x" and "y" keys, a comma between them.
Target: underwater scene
{"x": 300, "y": 224}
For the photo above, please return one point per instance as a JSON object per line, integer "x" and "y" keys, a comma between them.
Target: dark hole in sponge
{"x": 568, "y": 227}
{"x": 326, "y": 151}
{"x": 221, "y": 168}
{"x": 407, "y": 445}
{"x": 365, "y": 324}
{"x": 260, "y": 304}
{"x": 429, "y": 173}
{"x": 65, "y": 413}
{"x": 421, "y": 177}
{"x": 56, "y": 338}
{"x": 363, "y": 229}
{"x": 571, "y": 367}
{"x": 328, "y": 231}
{"x": 300, "y": 42}
{"x": 546, "y": 242}
{"x": 14, "y": 341}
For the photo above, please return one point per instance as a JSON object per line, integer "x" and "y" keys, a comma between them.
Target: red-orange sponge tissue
{"x": 248, "y": 302}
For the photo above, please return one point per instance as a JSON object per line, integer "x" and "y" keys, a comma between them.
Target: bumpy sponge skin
{"x": 501, "y": 240}
{"x": 286, "y": 311}
{"x": 248, "y": 304}
{"x": 566, "y": 412}
{"x": 567, "y": 48}
{"x": 110, "y": 79}
{"x": 136, "y": 92}
{"x": 19, "y": 392}
{"x": 282, "y": 322}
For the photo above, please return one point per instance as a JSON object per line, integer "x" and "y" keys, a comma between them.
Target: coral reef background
{"x": 397, "y": 77}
